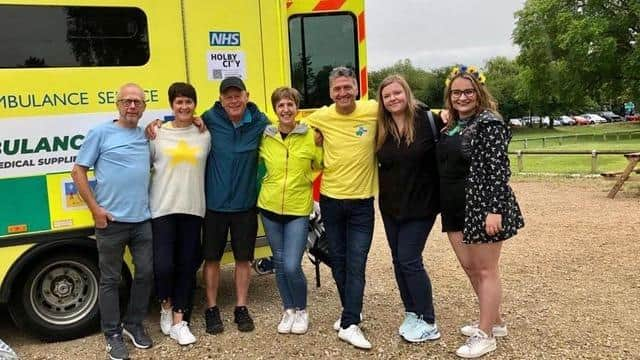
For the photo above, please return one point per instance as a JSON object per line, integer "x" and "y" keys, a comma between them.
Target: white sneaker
{"x": 498, "y": 330}
{"x": 354, "y": 336}
{"x": 301, "y": 322}
{"x": 166, "y": 320}
{"x": 181, "y": 333}
{"x": 288, "y": 317}
{"x": 477, "y": 345}
{"x": 336, "y": 325}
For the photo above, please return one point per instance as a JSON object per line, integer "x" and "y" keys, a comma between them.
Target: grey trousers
{"x": 111, "y": 242}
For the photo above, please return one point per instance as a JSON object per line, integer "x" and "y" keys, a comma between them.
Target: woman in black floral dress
{"x": 479, "y": 209}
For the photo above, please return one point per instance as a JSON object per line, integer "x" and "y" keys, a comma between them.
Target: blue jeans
{"x": 287, "y": 241}
{"x": 406, "y": 241}
{"x": 111, "y": 242}
{"x": 349, "y": 227}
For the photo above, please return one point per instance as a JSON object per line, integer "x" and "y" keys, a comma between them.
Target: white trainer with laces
{"x": 181, "y": 333}
{"x": 336, "y": 325}
{"x": 477, "y": 345}
{"x": 354, "y": 336}
{"x": 288, "y": 317}
{"x": 166, "y": 320}
{"x": 301, "y": 322}
{"x": 499, "y": 330}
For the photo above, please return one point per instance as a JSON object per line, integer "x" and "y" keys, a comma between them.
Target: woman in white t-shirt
{"x": 178, "y": 155}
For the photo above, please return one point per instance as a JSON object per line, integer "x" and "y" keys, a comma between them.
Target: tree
{"x": 422, "y": 82}
{"x": 578, "y": 52}
{"x": 504, "y": 83}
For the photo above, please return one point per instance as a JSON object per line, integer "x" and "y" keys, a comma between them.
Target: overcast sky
{"x": 435, "y": 33}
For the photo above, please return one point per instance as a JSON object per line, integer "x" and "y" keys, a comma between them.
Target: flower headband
{"x": 463, "y": 69}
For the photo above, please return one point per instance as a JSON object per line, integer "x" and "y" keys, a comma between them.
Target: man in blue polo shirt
{"x": 236, "y": 127}
{"x": 119, "y": 153}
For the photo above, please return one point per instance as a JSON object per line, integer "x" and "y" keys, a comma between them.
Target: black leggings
{"x": 176, "y": 258}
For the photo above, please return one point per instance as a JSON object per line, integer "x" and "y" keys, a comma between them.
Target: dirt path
{"x": 571, "y": 284}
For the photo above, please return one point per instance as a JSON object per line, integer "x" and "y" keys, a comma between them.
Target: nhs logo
{"x": 224, "y": 38}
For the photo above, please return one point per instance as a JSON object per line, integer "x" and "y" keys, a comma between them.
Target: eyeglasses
{"x": 127, "y": 102}
{"x": 341, "y": 71}
{"x": 456, "y": 94}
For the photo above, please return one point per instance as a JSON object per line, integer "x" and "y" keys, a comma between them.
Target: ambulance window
{"x": 317, "y": 44}
{"x": 72, "y": 36}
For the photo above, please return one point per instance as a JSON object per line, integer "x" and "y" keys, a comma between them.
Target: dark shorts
{"x": 452, "y": 202}
{"x": 243, "y": 226}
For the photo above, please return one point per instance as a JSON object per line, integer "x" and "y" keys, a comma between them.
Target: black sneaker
{"x": 116, "y": 349}
{"x": 138, "y": 336}
{"x": 243, "y": 319}
{"x": 213, "y": 320}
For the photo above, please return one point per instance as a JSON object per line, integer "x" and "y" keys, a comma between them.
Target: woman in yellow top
{"x": 290, "y": 156}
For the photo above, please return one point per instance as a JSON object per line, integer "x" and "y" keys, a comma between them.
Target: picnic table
{"x": 632, "y": 159}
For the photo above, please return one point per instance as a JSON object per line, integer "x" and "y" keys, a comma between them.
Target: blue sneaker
{"x": 409, "y": 320}
{"x": 421, "y": 331}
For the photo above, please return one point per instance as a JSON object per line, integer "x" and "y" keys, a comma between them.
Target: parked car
{"x": 530, "y": 120}
{"x": 611, "y": 116}
{"x": 546, "y": 121}
{"x": 581, "y": 120}
{"x": 595, "y": 119}
{"x": 515, "y": 122}
{"x": 566, "y": 120}
{"x": 632, "y": 117}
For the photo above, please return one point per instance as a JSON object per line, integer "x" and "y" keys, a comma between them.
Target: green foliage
{"x": 426, "y": 86}
{"x": 504, "y": 84}
{"x": 576, "y": 54}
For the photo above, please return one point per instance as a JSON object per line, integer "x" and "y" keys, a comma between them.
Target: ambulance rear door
{"x": 322, "y": 35}
{"x": 225, "y": 38}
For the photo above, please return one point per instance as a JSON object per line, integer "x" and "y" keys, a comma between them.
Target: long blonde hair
{"x": 386, "y": 125}
{"x": 484, "y": 99}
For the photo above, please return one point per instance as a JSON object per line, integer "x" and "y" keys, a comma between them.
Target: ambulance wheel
{"x": 58, "y": 297}
{"x": 263, "y": 266}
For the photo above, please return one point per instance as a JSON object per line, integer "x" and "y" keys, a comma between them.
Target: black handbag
{"x": 317, "y": 243}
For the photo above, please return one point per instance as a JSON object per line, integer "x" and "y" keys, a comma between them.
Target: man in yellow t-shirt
{"x": 349, "y": 183}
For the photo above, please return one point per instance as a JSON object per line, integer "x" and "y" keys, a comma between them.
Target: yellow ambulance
{"x": 61, "y": 63}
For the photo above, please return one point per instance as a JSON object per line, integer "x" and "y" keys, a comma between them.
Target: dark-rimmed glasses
{"x": 469, "y": 93}
{"x": 127, "y": 102}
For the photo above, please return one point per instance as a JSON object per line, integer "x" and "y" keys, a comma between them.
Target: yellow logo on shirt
{"x": 361, "y": 130}
{"x": 183, "y": 153}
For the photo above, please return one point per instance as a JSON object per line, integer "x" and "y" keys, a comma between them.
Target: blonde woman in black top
{"x": 408, "y": 198}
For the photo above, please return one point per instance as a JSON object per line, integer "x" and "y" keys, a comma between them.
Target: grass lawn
{"x": 575, "y": 164}
{"x": 525, "y": 132}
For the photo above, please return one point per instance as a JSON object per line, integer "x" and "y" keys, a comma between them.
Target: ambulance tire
{"x": 57, "y": 298}
{"x": 263, "y": 266}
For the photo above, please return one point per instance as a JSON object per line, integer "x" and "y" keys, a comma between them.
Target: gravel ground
{"x": 571, "y": 290}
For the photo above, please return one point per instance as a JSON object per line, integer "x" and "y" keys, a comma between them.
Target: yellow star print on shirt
{"x": 182, "y": 152}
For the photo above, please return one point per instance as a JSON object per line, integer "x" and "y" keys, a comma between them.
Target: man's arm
{"x": 100, "y": 215}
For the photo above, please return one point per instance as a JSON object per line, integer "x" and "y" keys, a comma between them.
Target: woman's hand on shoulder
{"x": 318, "y": 138}
{"x": 445, "y": 116}
{"x": 199, "y": 123}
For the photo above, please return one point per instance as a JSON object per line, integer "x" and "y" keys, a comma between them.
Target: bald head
{"x": 130, "y": 104}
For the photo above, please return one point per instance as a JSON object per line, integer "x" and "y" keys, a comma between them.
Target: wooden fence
{"x": 594, "y": 155}
{"x": 565, "y": 138}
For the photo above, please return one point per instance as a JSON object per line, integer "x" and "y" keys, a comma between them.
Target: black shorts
{"x": 452, "y": 202}
{"x": 244, "y": 229}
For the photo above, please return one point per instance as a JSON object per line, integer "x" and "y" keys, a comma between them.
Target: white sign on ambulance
{"x": 222, "y": 64}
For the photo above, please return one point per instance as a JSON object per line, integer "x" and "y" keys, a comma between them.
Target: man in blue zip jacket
{"x": 236, "y": 127}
